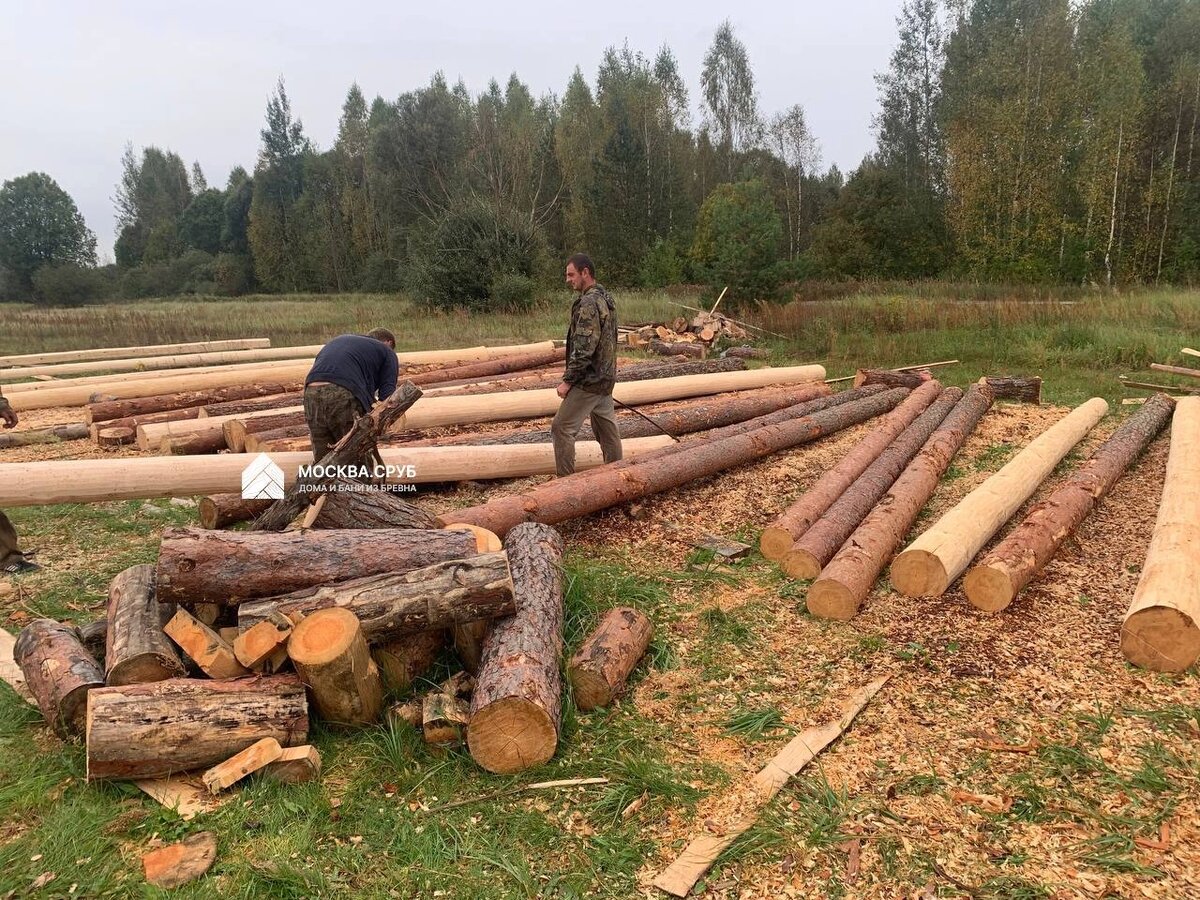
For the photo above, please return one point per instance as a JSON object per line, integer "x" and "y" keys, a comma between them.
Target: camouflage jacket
{"x": 592, "y": 342}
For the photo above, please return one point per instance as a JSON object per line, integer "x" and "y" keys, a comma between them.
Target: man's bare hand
{"x": 9, "y": 417}
{"x": 563, "y": 390}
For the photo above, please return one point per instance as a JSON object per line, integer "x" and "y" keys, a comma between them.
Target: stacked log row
{"x": 1161, "y": 629}
{"x": 844, "y": 583}
{"x": 994, "y": 582}
{"x": 932, "y": 562}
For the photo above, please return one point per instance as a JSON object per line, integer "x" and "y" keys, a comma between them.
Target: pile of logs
{"x": 684, "y": 337}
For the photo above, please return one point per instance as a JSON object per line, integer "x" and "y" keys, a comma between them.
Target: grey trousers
{"x": 579, "y": 405}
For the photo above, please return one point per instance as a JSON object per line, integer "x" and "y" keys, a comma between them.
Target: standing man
{"x": 591, "y": 372}
{"x": 348, "y": 375}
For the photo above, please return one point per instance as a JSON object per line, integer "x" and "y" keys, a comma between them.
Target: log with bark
{"x": 252, "y": 404}
{"x": 287, "y": 439}
{"x": 587, "y": 492}
{"x": 929, "y": 565}
{"x": 260, "y": 645}
{"x": 195, "y": 444}
{"x": 220, "y": 510}
{"x": 225, "y": 567}
{"x": 1161, "y": 629}
{"x": 53, "y": 435}
{"x": 66, "y": 356}
{"x": 994, "y": 582}
{"x": 844, "y": 583}
{"x": 59, "y": 672}
{"x": 778, "y": 537}
{"x": 203, "y": 646}
{"x": 105, "y": 411}
{"x": 746, "y": 353}
{"x": 1176, "y": 370}
{"x": 818, "y": 545}
{"x": 114, "y": 437}
{"x": 604, "y": 660}
{"x": 405, "y": 602}
{"x": 1023, "y": 389}
{"x": 235, "y": 431}
{"x": 516, "y": 707}
{"x": 1169, "y": 388}
{"x": 164, "y": 727}
{"x": 136, "y": 648}
{"x": 349, "y": 504}
{"x": 331, "y": 657}
{"x": 403, "y": 660}
{"x": 678, "y": 348}
{"x": 891, "y": 378}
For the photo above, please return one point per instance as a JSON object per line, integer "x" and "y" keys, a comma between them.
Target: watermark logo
{"x": 262, "y": 479}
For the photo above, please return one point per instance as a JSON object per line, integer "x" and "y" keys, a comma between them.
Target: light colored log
{"x": 177, "y": 864}
{"x": 331, "y": 656}
{"x": 295, "y": 765}
{"x": 152, "y": 363}
{"x": 102, "y": 480}
{"x": 433, "y": 412}
{"x": 1161, "y": 629}
{"x": 443, "y": 718}
{"x": 929, "y": 565}
{"x": 231, "y": 771}
{"x": 65, "y": 356}
{"x": 161, "y": 378}
{"x": 203, "y": 646}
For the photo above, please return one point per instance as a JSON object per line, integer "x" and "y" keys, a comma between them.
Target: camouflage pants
{"x": 580, "y": 405}
{"x": 330, "y": 411}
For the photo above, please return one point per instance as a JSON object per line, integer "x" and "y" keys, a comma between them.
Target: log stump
{"x": 516, "y": 708}
{"x": 137, "y": 649}
{"x": 59, "y": 672}
{"x": 331, "y": 656}
{"x": 604, "y": 660}
{"x": 222, "y": 510}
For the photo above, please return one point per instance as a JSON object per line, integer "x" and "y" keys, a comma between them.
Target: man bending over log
{"x": 348, "y": 375}
{"x": 12, "y": 558}
{"x": 591, "y": 372}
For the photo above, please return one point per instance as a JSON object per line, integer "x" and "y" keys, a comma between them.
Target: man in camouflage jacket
{"x": 591, "y": 370}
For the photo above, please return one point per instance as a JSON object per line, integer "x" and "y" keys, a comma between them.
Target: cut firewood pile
{"x": 338, "y": 602}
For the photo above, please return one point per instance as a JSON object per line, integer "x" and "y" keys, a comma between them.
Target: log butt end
{"x": 1162, "y": 639}
{"x": 919, "y": 573}
{"x": 589, "y": 689}
{"x": 800, "y": 563}
{"x": 210, "y": 516}
{"x": 323, "y": 637}
{"x": 775, "y": 542}
{"x": 828, "y": 599}
{"x": 989, "y": 588}
{"x": 144, "y": 668}
{"x": 485, "y": 541}
{"x": 511, "y": 735}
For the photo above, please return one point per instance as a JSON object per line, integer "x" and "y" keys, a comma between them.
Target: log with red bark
{"x": 994, "y": 582}
{"x": 844, "y": 583}
{"x": 284, "y": 440}
{"x": 59, "y": 672}
{"x": 166, "y": 727}
{"x": 398, "y": 603}
{"x": 604, "y": 660}
{"x": 106, "y": 410}
{"x": 331, "y": 657}
{"x": 698, "y": 457}
{"x": 221, "y": 510}
{"x": 225, "y": 567}
{"x": 349, "y": 504}
{"x": 778, "y": 537}
{"x": 402, "y": 660}
{"x": 746, "y": 353}
{"x": 818, "y": 544}
{"x": 137, "y": 650}
{"x": 516, "y": 707}
{"x": 1024, "y": 389}
{"x": 352, "y": 448}
{"x": 890, "y": 378}
{"x": 115, "y": 437}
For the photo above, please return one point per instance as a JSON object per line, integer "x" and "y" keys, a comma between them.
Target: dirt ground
{"x": 933, "y": 766}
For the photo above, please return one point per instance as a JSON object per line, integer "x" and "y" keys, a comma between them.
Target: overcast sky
{"x": 82, "y": 79}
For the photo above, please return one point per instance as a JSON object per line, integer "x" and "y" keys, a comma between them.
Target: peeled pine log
{"x": 100, "y": 384}
{"x": 584, "y": 493}
{"x": 107, "y": 410}
{"x": 604, "y": 660}
{"x": 231, "y": 771}
{"x": 103, "y": 480}
{"x": 225, "y": 567}
{"x": 252, "y": 404}
{"x": 1161, "y": 629}
{"x": 59, "y": 672}
{"x": 348, "y": 505}
{"x": 65, "y": 356}
{"x": 401, "y": 661}
{"x": 219, "y": 510}
{"x": 844, "y": 583}
{"x": 1021, "y": 389}
{"x": 994, "y": 582}
{"x": 152, "y": 363}
{"x": 516, "y": 708}
{"x": 819, "y": 543}
{"x": 52, "y": 435}
{"x": 331, "y": 657}
{"x": 890, "y": 378}
{"x": 1176, "y": 370}
{"x": 137, "y": 649}
{"x": 115, "y": 437}
{"x": 931, "y": 563}
{"x": 443, "y": 718}
{"x": 778, "y": 537}
{"x": 394, "y": 604}
{"x": 203, "y": 646}
{"x": 678, "y": 348}
{"x": 165, "y": 727}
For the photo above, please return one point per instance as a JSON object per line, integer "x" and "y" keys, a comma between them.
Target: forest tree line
{"x": 1016, "y": 140}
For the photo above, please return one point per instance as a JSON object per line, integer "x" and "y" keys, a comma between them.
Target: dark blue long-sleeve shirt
{"x": 365, "y": 367}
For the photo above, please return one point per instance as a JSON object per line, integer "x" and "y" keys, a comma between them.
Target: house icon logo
{"x": 262, "y": 479}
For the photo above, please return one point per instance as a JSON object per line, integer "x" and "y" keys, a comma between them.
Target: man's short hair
{"x": 382, "y": 334}
{"x": 583, "y": 263}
